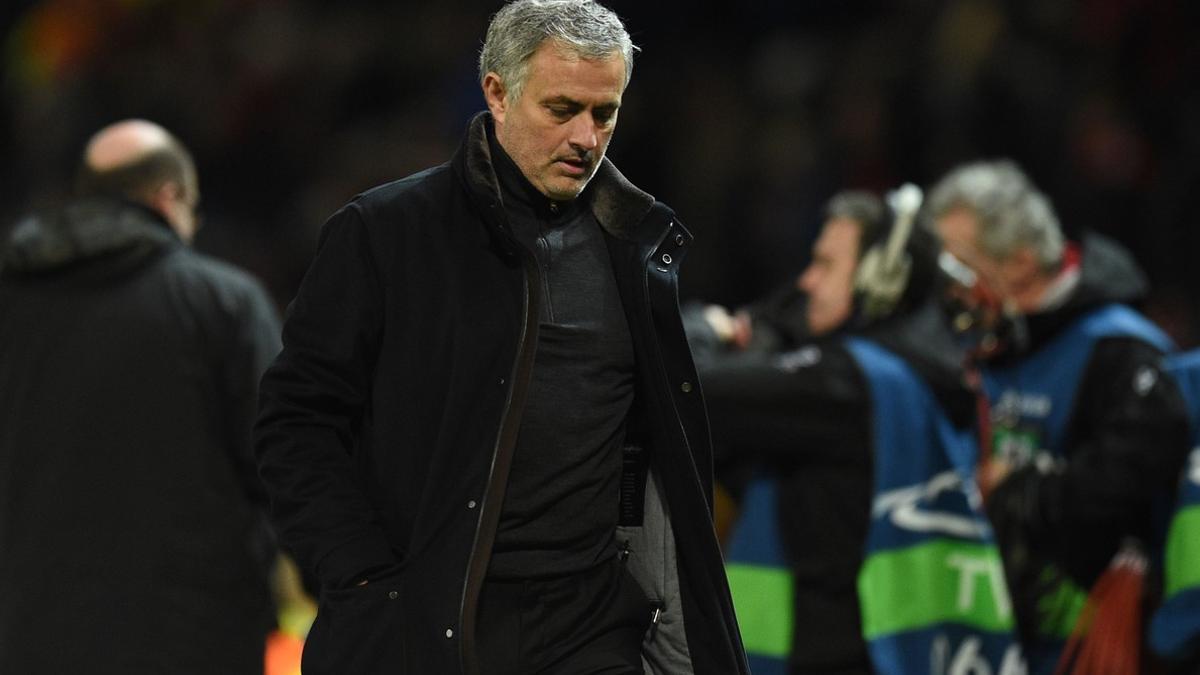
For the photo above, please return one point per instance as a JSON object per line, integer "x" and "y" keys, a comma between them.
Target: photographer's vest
{"x": 931, "y": 589}
{"x": 1032, "y": 402}
{"x": 760, "y": 580}
{"x": 1175, "y": 629}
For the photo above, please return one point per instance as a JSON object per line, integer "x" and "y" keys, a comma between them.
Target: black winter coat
{"x": 389, "y": 420}
{"x": 132, "y": 524}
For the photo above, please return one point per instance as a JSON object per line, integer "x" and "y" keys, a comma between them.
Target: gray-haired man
{"x": 1088, "y": 434}
{"x": 484, "y": 435}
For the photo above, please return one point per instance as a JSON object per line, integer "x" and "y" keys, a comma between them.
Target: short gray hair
{"x": 584, "y": 27}
{"x": 1012, "y": 212}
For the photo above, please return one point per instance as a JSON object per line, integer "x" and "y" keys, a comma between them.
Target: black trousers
{"x": 590, "y": 623}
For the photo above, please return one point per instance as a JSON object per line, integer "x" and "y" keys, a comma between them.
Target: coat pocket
{"x": 358, "y": 630}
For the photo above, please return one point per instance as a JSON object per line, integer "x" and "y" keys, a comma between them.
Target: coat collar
{"x": 116, "y": 233}
{"x": 619, "y": 206}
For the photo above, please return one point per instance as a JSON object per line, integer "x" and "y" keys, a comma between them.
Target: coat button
{"x": 471, "y": 504}
{"x": 449, "y": 633}
{"x": 392, "y": 595}
{"x": 686, "y": 387}
{"x": 666, "y": 258}
{"x": 502, "y": 381}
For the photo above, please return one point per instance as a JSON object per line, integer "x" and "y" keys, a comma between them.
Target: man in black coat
{"x": 132, "y": 524}
{"x": 484, "y": 435}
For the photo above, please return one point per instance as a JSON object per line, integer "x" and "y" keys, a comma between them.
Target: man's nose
{"x": 807, "y": 280}
{"x": 583, "y": 132}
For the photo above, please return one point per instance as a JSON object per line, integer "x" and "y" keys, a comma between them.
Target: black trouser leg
{"x": 590, "y": 623}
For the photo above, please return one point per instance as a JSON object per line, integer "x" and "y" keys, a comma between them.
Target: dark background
{"x": 744, "y": 116}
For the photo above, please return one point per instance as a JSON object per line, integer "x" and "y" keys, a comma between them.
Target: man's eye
{"x": 561, "y": 113}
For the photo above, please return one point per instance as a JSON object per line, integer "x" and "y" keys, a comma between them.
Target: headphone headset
{"x": 885, "y": 268}
{"x": 982, "y": 319}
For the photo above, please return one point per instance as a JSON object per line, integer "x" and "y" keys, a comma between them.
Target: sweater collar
{"x": 617, "y": 204}
{"x": 520, "y": 197}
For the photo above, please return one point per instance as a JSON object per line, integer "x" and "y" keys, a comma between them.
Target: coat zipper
{"x": 502, "y": 452}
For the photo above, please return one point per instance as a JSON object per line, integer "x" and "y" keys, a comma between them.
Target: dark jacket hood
{"x": 1108, "y": 274}
{"x": 89, "y": 234}
{"x": 619, "y": 205}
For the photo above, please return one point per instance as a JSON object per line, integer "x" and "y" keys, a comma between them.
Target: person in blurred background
{"x": 859, "y": 517}
{"x": 1174, "y": 633}
{"x": 777, "y": 322}
{"x": 1088, "y": 435}
{"x": 483, "y": 362}
{"x": 133, "y": 534}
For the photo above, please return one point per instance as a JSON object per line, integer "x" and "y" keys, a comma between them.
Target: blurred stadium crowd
{"x": 745, "y": 117}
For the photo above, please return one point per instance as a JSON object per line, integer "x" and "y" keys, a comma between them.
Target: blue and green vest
{"x": 760, "y": 580}
{"x": 1031, "y": 403}
{"x": 931, "y": 589}
{"x": 1175, "y": 629}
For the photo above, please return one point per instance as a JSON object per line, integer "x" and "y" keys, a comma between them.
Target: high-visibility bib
{"x": 1175, "y": 628}
{"x": 1031, "y": 403}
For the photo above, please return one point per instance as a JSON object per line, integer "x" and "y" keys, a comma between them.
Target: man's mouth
{"x": 573, "y": 166}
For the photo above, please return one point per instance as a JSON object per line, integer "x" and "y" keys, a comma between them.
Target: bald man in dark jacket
{"x": 131, "y": 533}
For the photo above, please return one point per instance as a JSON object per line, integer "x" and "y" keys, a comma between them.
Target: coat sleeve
{"x": 312, "y": 402}
{"x": 1127, "y": 444}
{"x": 772, "y": 412}
{"x": 253, "y": 343}
{"x": 813, "y": 416}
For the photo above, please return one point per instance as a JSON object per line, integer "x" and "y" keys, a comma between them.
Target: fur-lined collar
{"x": 619, "y": 206}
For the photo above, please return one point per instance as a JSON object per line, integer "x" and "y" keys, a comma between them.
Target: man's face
{"x": 829, "y": 278}
{"x": 1015, "y": 278}
{"x": 558, "y": 129}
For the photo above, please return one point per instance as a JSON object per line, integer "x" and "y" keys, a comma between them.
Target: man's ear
{"x": 1024, "y": 262}
{"x": 495, "y": 93}
{"x": 163, "y": 198}
{"x": 167, "y": 200}
{"x": 1021, "y": 272}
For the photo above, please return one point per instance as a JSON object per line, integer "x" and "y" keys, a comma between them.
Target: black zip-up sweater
{"x": 560, "y": 509}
